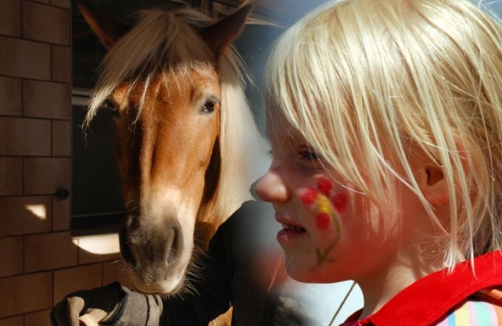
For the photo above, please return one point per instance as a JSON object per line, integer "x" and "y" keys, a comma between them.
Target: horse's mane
{"x": 165, "y": 40}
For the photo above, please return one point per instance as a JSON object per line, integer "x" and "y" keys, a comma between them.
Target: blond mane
{"x": 165, "y": 41}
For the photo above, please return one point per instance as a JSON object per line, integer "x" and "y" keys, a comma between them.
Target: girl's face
{"x": 331, "y": 232}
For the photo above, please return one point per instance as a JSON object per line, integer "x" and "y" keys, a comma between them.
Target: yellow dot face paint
{"x": 324, "y": 205}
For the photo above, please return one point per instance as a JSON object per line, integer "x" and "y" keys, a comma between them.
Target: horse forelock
{"x": 162, "y": 41}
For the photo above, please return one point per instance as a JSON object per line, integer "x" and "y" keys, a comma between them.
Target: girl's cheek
{"x": 340, "y": 202}
{"x": 324, "y": 204}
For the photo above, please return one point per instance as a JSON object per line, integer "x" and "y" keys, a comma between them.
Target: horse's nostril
{"x": 173, "y": 245}
{"x": 153, "y": 251}
{"x": 125, "y": 251}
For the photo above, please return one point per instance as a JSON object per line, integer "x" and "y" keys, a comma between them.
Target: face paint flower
{"x": 326, "y": 206}
{"x": 308, "y": 196}
{"x": 325, "y": 186}
{"x": 322, "y": 221}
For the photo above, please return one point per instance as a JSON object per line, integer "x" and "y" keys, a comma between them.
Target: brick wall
{"x": 39, "y": 263}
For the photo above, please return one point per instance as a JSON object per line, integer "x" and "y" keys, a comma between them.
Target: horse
{"x": 185, "y": 135}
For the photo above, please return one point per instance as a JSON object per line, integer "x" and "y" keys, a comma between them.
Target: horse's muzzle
{"x": 155, "y": 255}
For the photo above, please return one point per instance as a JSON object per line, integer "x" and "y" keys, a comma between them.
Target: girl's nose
{"x": 271, "y": 188}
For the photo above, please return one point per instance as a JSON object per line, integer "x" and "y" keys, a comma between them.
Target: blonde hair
{"x": 377, "y": 77}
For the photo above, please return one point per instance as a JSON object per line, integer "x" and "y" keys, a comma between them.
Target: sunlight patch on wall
{"x": 98, "y": 244}
{"x": 38, "y": 210}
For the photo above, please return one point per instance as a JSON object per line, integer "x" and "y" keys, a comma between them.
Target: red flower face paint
{"x": 322, "y": 221}
{"x": 325, "y": 186}
{"x": 326, "y": 206}
{"x": 308, "y": 196}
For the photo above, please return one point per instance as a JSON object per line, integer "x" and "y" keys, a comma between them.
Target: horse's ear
{"x": 106, "y": 29}
{"x": 225, "y": 31}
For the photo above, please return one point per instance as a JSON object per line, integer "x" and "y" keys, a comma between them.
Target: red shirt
{"x": 431, "y": 298}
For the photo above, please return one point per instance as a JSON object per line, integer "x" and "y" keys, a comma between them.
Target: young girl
{"x": 385, "y": 121}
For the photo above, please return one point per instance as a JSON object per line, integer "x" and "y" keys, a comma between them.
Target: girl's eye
{"x": 308, "y": 154}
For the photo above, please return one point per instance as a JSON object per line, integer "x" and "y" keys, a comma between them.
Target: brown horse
{"x": 185, "y": 134}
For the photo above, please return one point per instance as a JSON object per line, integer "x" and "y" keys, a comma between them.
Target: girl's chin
{"x": 301, "y": 268}
{"x": 307, "y": 268}
{"x": 305, "y": 275}
{"x": 313, "y": 275}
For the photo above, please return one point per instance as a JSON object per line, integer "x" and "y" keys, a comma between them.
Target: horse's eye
{"x": 110, "y": 105}
{"x": 208, "y": 107}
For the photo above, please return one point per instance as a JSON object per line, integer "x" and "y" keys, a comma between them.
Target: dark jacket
{"x": 230, "y": 275}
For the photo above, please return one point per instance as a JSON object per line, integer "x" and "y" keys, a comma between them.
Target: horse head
{"x": 164, "y": 80}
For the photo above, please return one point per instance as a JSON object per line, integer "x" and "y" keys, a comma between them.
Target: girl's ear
{"x": 433, "y": 185}
{"x": 431, "y": 179}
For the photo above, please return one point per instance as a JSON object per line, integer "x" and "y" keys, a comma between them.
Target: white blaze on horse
{"x": 186, "y": 138}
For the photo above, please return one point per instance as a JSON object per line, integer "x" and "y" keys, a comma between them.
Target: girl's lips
{"x": 293, "y": 228}
{"x": 287, "y": 236}
{"x": 289, "y": 225}
{"x": 290, "y": 230}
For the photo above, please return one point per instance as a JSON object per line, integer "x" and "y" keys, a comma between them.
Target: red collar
{"x": 430, "y": 298}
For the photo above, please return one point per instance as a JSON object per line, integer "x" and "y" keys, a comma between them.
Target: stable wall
{"x": 39, "y": 263}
